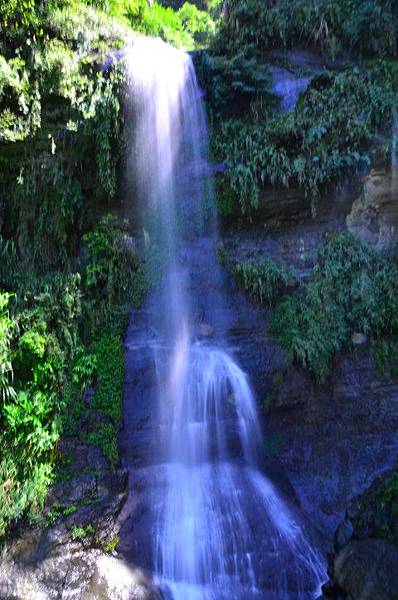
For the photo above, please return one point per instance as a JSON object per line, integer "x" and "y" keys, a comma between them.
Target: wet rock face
{"x": 75, "y": 559}
{"x": 334, "y": 439}
{"x": 374, "y": 214}
{"x": 365, "y": 559}
{"x": 50, "y": 564}
{"x": 75, "y": 575}
{"x": 368, "y": 569}
{"x": 331, "y": 440}
{"x": 284, "y": 229}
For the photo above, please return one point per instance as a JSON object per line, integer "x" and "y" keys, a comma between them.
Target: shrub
{"x": 107, "y": 356}
{"x": 327, "y": 135}
{"x": 366, "y": 27}
{"x": 353, "y": 290}
{"x": 387, "y": 497}
{"x": 112, "y": 261}
{"x": 6, "y": 370}
{"x": 265, "y": 280}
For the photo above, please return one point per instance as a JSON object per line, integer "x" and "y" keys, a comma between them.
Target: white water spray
{"x": 220, "y": 529}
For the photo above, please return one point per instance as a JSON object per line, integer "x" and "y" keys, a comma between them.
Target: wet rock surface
{"x": 74, "y": 574}
{"x": 368, "y": 569}
{"x": 374, "y": 214}
{"x": 334, "y": 439}
{"x": 71, "y": 554}
{"x": 331, "y": 440}
{"x": 364, "y": 563}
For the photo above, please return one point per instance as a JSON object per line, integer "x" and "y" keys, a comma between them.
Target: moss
{"x": 276, "y": 382}
{"x": 110, "y": 545}
{"x": 80, "y": 533}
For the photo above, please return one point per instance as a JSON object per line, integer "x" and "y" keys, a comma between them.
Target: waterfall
{"x": 217, "y": 527}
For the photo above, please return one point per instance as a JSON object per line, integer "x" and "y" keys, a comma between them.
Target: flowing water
{"x": 217, "y": 527}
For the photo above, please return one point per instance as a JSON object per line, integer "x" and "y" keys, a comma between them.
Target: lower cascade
{"x": 217, "y": 527}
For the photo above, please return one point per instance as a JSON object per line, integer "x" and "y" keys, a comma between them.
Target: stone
{"x": 343, "y": 534}
{"x": 358, "y": 339}
{"x": 374, "y": 214}
{"x": 114, "y": 579}
{"x": 368, "y": 569}
{"x": 84, "y": 575}
{"x": 205, "y": 329}
{"x": 331, "y": 590}
{"x": 76, "y": 490}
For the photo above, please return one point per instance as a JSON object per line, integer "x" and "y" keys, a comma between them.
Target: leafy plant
{"x": 84, "y": 369}
{"x": 107, "y": 396}
{"x": 353, "y": 289}
{"x": 327, "y": 135}
{"x": 112, "y": 260}
{"x": 6, "y": 371}
{"x": 365, "y": 27}
{"x": 387, "y": 497}
{"x": 80, "y": 533}
{"x": 110, "y": 545}
{"x": 264, "y": 280}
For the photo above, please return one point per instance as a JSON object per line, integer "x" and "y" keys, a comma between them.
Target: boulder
{"x": 84, "y": 575}
{"x": 368, "y": 570}
{"x": 374, "y": 214}
{"x": 343, "y": 534}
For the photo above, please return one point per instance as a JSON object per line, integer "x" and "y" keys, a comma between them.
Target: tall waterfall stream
{"x": 216, "y": 527}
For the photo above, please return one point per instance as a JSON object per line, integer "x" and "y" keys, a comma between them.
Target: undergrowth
{"x": 353, "y": 289}
{"x": 329, "y": 134}
{"x": 264, "y": 280}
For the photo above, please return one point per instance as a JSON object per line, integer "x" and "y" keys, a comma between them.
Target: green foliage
{"x": 387, "y": 497}
{"x": 80, "y": 533}
{"x": 84, "y": 369}
{"x": 9, "y": 266}
{"x": 58, "y": 510}
{"x": 108, "y": 352}
{"x": 107, "y": 400}
{"x": 265, "y": 280}
{"x": 105, "y": 437}
{"x": 23, "y": 489}
{"x": 353, "y": 289}
{"x": 366, "y": 27}
{"x": 232, "y": 81}
{"x": 6, "y": 370}
{"x": 98, "y": 423}
{"x": 197, "y": 23}
{"x": 48, "y": 201}
{"x": 30, "y": 425}
{"x": 112, "y": 261}
{"x": 19, "y": 110}
{"x": 42, "y": 334}
{"x": 54, "y": 96}
{"x": 110, "y": 545}
{"x": 44, "y": 340}
{"x": 53, "y": 306}
{"x": 185, "y": 28}
{"x": 327, "y": 135}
